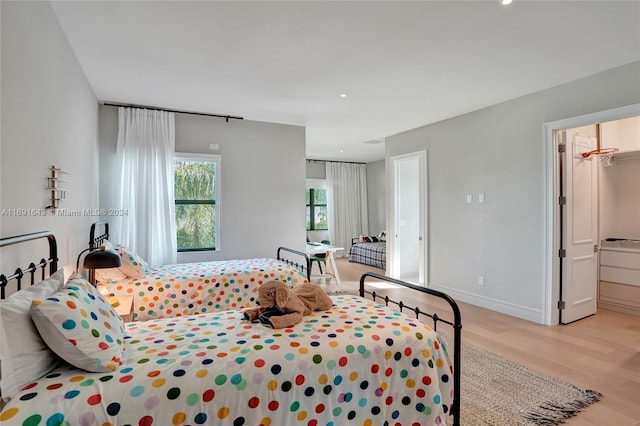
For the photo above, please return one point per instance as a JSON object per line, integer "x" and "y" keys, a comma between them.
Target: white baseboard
{"x": 524, "y": 312}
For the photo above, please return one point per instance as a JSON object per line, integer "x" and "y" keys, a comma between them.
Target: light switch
{"x": 214, "y": 146}
{"x": 469, "y": 198}
{"x": 481, "y": 198}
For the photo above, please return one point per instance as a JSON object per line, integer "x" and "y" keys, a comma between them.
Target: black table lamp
{"x": 98, "y": 259}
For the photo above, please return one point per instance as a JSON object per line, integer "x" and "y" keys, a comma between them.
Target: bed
{"x": 360, "y": 363}
{"x": 164, "y": 291}
{"x": 372, "y": 252}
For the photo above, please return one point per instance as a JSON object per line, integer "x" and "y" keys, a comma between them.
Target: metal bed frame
{"x": 95, "y": 241}
{"x": 303, "y": 264}
{"x": 19, "y": 273}
{"x": 455, "y": 323}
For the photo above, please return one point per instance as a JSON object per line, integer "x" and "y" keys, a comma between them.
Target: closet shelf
{"x": 626, "y": 155}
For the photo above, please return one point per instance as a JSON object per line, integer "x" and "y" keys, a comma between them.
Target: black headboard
{"x": 19, "y": 273}
{"x": 96, "y": 239}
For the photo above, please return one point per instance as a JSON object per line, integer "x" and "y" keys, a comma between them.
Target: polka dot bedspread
{"x": 195, "y": 288}
{"x": 359, "y": 363}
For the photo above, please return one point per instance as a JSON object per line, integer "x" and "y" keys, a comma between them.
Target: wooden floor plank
{"x": 601, "y": 352}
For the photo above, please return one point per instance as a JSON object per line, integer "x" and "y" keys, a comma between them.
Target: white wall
{"x": 263, "y": 178}
{"x": 499, "y": 151}
{"x": 49, "y": 117}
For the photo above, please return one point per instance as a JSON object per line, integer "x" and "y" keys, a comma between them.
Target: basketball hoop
{"x": 605, "y": 154}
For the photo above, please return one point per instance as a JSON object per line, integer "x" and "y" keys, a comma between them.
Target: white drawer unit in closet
{"x": 619, "y": 288}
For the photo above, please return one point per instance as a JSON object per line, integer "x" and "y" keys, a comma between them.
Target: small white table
{"x": 315, "y": 248}
{"x": 125, "y": 308}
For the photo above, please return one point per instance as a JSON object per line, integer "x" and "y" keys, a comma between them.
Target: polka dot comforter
{"x": 359, "y": 363}
{"x": 195, "y": 288}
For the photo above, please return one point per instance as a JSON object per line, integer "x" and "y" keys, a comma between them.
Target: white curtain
{"x": 144, "y": 185}
{"x": 346, "y": 203}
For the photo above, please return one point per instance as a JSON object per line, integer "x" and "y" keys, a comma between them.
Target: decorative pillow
{"x": 374, "y": 239}
{"x": 109, "y": 275}
{"x": 22, "y": 363}
{"x": 80, "y": 326}
{"x": 132, "y": 264}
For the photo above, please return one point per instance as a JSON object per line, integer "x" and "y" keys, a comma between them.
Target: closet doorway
{"x": 573, "y": 229}
{"x": 408, "y": 237}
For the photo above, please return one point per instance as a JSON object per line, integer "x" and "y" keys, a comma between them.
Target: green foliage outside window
{"x": 195, "y": 195}
{"x": 316, "y": 200}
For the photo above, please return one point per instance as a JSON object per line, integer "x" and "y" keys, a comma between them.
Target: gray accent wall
{"x": 262, "y": 180}
{"x": 49, "y": 117}
{"x": 498, "y": 151}
{"x": 376, "y": 197}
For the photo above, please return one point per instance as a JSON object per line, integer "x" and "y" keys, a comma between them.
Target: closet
{"x": 619, "y": 217}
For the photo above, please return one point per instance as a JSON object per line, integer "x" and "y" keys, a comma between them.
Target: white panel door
{"x": 580, "y": 224}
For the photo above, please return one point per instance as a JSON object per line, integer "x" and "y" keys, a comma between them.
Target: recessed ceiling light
{"x": 506, "y": 2}
{"x": 343, "y": 95}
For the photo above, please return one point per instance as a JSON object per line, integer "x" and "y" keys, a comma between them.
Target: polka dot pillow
{"x": 133, "y": 265}
{"x": 80, "y": 326}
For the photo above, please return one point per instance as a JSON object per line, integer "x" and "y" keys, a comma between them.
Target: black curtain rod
{"x": 332, "y": 161}
{"x": 226, "y": 117}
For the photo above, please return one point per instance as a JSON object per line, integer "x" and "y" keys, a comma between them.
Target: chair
{"x": 320, "y": 257}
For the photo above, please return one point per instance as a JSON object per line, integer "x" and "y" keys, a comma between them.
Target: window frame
{"x": 208, "y": 158}
{"x": 312, "y": 184}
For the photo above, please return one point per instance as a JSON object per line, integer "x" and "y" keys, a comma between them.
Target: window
{"x": 316, "y": 199}
{"x": 197, "y": 179}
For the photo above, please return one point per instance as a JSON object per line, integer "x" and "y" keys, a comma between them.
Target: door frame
{"x": 552, "y": 220}
{"x": 423, "y": 256}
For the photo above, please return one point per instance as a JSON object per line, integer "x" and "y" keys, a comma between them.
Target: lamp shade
{"x": 101, "y": 258}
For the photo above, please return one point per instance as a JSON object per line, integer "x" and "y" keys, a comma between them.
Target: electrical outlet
{"x": 480, "y": 280}
{"x": 469, "y": 198}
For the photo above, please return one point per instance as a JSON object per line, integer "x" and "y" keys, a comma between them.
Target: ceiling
{"x": 401, "y": 64}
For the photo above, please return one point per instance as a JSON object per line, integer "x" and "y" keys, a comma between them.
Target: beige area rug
{"x": 499, "y": 392}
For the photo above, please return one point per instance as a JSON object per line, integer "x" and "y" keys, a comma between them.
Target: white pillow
{"x": 132, "y": 264}
{"x": 24, "y": 356}
{"x": 80, "y": 325}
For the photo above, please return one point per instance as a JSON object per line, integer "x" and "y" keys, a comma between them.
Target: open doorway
{"x": 408, "y": 218}
{"x": 566, "y": 281}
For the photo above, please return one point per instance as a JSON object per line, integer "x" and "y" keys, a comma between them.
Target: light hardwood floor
{"x": 601, "y": 352}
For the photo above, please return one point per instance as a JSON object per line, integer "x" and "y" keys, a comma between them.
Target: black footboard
{"x": 297, "y": 259}
{"x": 455, "y": 323}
